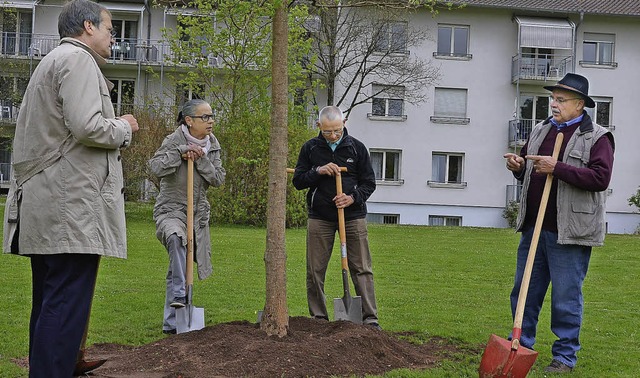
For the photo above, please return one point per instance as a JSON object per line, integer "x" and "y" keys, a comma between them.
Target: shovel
{"x": 189, "y": 318}
{"x": 508, "y": 359}
{"x": 348, "y": 307}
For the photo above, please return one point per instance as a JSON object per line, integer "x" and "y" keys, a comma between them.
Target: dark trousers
{"x": 63, "y": 286}
{"x": 320, "y": 238}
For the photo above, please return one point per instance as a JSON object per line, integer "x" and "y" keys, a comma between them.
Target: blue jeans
{"x": 565, "y": 267}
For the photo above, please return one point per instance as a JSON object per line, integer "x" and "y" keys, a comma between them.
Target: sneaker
{"x": 169, "y": 331}
{"x": 178, "y": 302}
{"x": 557, "y": 367}
{"x": 375, "y": 325}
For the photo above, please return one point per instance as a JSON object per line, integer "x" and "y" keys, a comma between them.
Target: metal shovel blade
{"x": 350, "y": 310}
{"x": 500, "y": 360}
{"x": 348, "y": 307}
{"x": 189, "y": 318}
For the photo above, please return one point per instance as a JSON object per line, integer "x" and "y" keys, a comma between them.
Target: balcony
{"x": 534, "y": 69}
{"x": 519, "y": 130}
{"x": 123, "y": 51}
{"x": 513, "y": 193}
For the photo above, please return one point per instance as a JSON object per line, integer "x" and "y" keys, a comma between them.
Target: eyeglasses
{"x": 204, "y": 117}
{"x": 561, "y": 100}
{"x": 330, "y": 132}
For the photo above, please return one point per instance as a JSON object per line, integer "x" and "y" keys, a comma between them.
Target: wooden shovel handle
{"x": 341, "y": 224}
{"x": 524, "y": 286}
{"x": 189, "y": 277}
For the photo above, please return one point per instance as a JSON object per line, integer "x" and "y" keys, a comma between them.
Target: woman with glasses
{"x": 192, "y": 140}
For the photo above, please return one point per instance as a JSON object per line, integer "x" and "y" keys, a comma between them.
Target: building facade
{"x": 438, "y": 162}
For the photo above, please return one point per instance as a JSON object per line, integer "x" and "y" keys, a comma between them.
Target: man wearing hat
{"x": 574, "y": 221}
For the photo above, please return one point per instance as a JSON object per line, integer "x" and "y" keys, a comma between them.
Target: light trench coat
{"x": 170, "y": 210}
{"x": 67, "y": 147}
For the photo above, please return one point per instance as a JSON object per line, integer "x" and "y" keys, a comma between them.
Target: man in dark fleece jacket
{"x": 319, "y": 162}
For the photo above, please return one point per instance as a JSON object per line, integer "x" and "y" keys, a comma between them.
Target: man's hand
{"x": 133, "y": 122}
{"x": 515, "y": 163}
{"x": 543, "y": 164}
{"x": 343, "y": 201}
{"x": 330, "y": 169}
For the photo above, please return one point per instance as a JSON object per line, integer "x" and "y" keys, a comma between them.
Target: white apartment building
{"x": 437, "y": 163}
{"x": 441, "y": 162}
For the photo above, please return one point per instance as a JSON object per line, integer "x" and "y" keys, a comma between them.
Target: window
{"x": 383, "y": 218}
{"x": 450, "y": 106}
{"x": 387, "y": 102}
{"x": 123, "y": 95}
{"x": 453, "y": 41}
{"x": 386, "y": 165}
{"x": 184, "y": 93}
{"x": 126, "y": 39}
{"x": 598, "y": 49}
{"x": 444, "y": 220}
{"x": 16, "y": 27}
{"x": 392, "y": 38}
{"x": 601, "y": 114}
{"x": 447, "y": 170}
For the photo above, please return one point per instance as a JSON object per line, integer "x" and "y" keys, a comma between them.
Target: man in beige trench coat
{"x": 65, "y": 207}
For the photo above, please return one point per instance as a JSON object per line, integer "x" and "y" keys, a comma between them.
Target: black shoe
{"x": 375, "y": 325}
{"x": 557, "y": 367}
{"x": 169, "y": 331}
{"x": 178, "y": 302}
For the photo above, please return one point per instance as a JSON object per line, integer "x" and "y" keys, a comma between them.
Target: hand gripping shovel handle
{"x": 524, "y": 286}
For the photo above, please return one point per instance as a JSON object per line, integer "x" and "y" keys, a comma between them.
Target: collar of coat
{"x": 100, "y": 60}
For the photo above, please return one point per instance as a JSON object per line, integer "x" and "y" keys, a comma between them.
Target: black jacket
{"x": 359, "y": 180}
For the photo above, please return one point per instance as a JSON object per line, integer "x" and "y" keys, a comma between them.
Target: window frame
{"x": 445, "y": 219}
{"x": 595, "y": 114}
{"x": 396, "y": 180}
{"x": 449, "y": 118}
{"x": 386, "y": 38}
{"x": 387, "y": 93}
{"x": 435, "y": 182}
{"x": 452, "y": 54}
{"x": 599, "y": 40}
{"x": 381, "y": 218}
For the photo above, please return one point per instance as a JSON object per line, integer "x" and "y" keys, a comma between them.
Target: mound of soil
{"x": 313, "y": 348}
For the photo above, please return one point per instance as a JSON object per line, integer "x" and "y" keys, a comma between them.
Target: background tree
{"x": 360, "y": 43}
{"x": 227, "y": 45}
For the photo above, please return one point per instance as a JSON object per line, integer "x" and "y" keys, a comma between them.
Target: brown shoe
{"x": 83, "y": 367}
{"x": 557, "y": 367}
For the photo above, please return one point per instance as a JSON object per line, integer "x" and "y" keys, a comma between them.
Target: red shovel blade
{"x": 499, "y": 360}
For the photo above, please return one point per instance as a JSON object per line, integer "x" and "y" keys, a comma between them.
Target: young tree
{"x": 275, "y": 318}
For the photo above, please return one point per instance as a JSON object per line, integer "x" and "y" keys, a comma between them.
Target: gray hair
{"x": 330, "y": 113}
{"x": 189, "y": 109}
{"x": 75, "y": 13}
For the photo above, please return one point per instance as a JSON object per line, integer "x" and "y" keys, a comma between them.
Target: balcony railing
{"x": 546, "y": 67}
{"x": 131, "y": 50}
{"x": 513, "y": 193}
{"x": 519, "y": 130}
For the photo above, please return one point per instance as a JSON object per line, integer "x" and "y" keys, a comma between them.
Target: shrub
{"x": 510, "y": 213}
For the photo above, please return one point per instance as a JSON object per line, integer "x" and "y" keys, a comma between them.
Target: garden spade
{"x": 348, "y": 307}
{"x": 189, "y": 318}
{"x": 508, "y": 359}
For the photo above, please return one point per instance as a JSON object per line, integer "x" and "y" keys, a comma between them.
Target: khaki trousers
{"x": 320, "y": 239}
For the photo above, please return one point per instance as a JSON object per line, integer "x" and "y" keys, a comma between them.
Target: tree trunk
{"x": 275, "y": 317}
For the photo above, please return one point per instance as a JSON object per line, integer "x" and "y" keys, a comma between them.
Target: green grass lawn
{"x": 436, "y": 281}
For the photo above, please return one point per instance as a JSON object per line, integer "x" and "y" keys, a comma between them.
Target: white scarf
{"x": 204, "y": 143}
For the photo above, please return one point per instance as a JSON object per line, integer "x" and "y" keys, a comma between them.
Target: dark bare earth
{"x": 240, "y": 349}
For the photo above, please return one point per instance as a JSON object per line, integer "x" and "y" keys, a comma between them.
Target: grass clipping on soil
{"x": 313, "y": 348}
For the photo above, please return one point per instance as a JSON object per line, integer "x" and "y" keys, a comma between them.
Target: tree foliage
{"x": 236, "y": 37}
{"x": 634, "y": 200}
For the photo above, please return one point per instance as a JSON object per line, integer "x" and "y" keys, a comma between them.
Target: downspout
{"x": 575, "y": 41}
